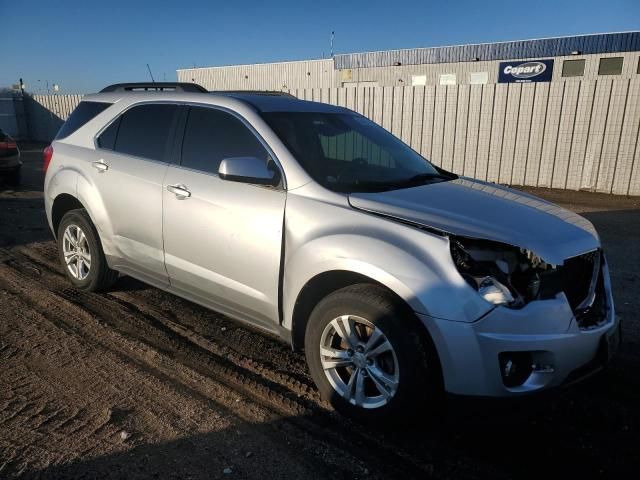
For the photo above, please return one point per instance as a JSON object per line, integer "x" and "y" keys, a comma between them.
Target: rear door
{"x": 224, "y": 240}
{"x": 132, "y": 159}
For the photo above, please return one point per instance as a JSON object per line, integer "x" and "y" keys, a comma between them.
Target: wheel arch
{"x": 318, "y": 287}
{"x": 62, "y": 204}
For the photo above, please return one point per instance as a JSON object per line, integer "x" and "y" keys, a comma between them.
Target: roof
{"x": 281, "y": 103}
{"x": 260, "y": 101}
{"x": 545, "y": 47}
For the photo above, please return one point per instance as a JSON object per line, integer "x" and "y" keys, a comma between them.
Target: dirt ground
{"x": 137, "y": 383}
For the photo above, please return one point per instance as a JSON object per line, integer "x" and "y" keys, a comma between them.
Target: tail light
{"x": 47, "y": 154}
{"x": 8, "y": 145}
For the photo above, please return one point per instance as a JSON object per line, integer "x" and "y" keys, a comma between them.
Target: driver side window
{"x": 212, "y": 135}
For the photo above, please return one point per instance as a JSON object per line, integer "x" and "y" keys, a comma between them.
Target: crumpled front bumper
{"x": 561, "y": 350}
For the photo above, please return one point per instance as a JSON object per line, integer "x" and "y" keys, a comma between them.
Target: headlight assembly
{"x": 502, "y": 274}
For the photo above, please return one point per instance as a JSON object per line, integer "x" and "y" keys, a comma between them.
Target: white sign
{"x": 478, "y": 78}
{"x": 448, "y": 79}
{"x": 418, "y": 80}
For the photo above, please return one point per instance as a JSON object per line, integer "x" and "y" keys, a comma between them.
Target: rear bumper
{"x": 10, "y": 164}
{"x": 546, "y": 330}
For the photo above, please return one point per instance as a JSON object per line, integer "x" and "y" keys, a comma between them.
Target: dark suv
{"x": 10, "y": 162}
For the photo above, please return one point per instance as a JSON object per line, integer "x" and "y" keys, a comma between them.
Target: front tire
{"x": 81, "y": 253}
{"x": 369, "y": 355}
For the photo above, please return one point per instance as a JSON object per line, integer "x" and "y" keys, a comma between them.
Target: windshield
{"x": 348, "y": 152}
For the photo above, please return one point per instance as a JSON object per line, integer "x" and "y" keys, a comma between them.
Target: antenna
{"x": 332, "y": 35}
{"x": 151, "y": 74}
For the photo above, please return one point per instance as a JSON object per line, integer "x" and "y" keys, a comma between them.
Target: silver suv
{"x": 400, "y": 280}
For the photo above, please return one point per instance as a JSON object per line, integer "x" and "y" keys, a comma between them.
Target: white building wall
{"x": 321, "y": 73}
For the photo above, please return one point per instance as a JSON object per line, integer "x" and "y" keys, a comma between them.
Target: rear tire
{"x": 395, "y": 384}
{"x": 81, "y": 254}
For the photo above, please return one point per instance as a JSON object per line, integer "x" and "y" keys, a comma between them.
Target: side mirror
{"x": 247, "y": 170}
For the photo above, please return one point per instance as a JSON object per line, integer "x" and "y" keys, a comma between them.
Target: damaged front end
{"x": 510, "y": 276}
{"x": 503, "y": 274}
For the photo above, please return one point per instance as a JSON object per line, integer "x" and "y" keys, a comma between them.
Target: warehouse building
{"x": 557, "y": 112}
{"x": 550, "y": 60}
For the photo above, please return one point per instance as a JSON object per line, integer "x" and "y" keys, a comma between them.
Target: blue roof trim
{"x": 547, "y": 47}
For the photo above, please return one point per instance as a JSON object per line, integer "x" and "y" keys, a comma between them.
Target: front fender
{"x": 338, "y": 253}
{"x": 412, "y": 271}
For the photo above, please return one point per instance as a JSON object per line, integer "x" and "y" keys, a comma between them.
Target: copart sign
{"x": 525, "y": 72}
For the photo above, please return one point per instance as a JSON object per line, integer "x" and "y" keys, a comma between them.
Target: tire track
{"x": 197, "y": 388}
{"x": 325, "y": 423}
{"x": 286, "y": 401}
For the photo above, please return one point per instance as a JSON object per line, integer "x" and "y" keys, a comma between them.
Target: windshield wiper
{"x": 425, "y": 177}
{"x": 381, "y": 185}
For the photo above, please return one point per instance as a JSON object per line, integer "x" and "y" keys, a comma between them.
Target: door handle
{"x": 100, "y": 166}
{"x": 180, "y": 191}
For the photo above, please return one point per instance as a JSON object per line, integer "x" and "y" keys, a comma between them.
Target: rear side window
{"x": 107, "y": 138}
{"x": 142, "y": 131}
{"x": 212, "y": 135}
{"x": 84, "y": 112}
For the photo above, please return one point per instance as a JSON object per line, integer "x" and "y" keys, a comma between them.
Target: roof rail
{"x": 274, "y": 93}
{"x": 155, "y": 87}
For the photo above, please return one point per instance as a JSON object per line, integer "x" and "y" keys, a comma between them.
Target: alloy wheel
{"x": 359, "y": 361}
{"x": 75, "y": 249}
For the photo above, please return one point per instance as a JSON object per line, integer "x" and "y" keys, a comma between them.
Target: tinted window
{"x": 610, "y": 66}
{"x": 107, "y": 138}
{"x": 212, "y": 135}
{"x": 81, "y": 115}
{"x": 144, "y": 131}
{"x": 347, "y": 152}
{"x": 573, "y": 68}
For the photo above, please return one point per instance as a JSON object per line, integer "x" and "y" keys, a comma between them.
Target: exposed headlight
{"x": 494, "y": 292}
{"x": 502, "y": 274}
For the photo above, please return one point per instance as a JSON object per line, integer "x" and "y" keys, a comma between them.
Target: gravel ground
{"x": 137, "y": 383}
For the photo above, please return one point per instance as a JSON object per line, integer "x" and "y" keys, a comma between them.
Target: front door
{"x": 223, "y": 239}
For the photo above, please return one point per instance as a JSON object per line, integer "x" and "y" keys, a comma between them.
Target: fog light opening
{"x": 515, "y": 367}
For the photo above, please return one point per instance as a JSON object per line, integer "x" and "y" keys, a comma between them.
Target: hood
{"x": 476, "y": 209}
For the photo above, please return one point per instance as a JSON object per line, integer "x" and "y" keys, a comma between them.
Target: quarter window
{"x": 610, "y": 66}
{"x": 212, "y": 135}
{"x": 84, "y": 112}
{"x": 144, "y": 131}
{"x": 573, "y": 68}
{"x": 107, "y": 138}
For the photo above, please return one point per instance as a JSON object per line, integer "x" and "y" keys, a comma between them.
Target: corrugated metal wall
{"x": 402, "y": 75}
{"x": 47, "y": 113}
{"x": 578, "y": 134}
{"x": 320, "y": 73}
{"x": 266, "y": 76}
{"x": 8, "y": 116}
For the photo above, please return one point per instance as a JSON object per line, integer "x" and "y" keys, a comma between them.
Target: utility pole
{"x": 332, "y": 35}
{"x": 25, "y": 111}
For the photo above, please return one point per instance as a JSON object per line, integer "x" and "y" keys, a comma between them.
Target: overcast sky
{"x": 84, "y": 45}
